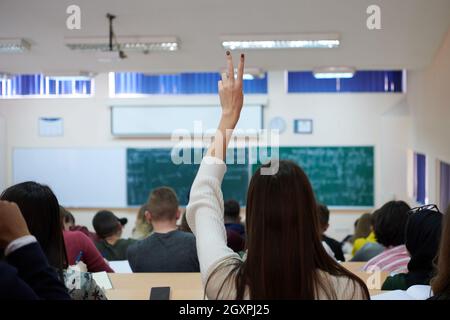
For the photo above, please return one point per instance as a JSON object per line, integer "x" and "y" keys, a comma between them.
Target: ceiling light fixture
{"x": 9, "y": 45}
{"x": 139, "y": 44}
{"x": 291, "y": 41}
{"x": 333, "y": 72}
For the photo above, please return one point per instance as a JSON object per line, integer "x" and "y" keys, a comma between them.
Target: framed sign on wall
{"x": 303, "y": 126}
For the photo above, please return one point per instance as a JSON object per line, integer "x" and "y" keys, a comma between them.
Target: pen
{"x": 78, "y": 259}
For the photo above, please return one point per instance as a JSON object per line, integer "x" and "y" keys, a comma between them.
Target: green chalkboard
{"x": 151, "y": 168}
{"x": 340, "y": 176}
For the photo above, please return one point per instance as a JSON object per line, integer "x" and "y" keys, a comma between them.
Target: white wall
{"x": 429, "y": 100}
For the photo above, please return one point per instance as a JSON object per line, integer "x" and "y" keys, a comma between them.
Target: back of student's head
{"x": 106, "y": 224}
{"x": 389, "y": 223}
{"x": 423, "y": 232}
{"x": 285, "y": 251}
{"x": 363, "y": 226}
{"x": 40, "y": 208}
{"x": 324, "y": 215}
{"x": 232, "y": 209}
{"x": 441, "y": 283}
{"x": 163, "y": 204}
{"x": 66, "y": 217}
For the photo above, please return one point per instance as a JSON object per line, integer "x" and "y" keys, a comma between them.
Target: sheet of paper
{"x": 392, "y": 295}
{"x": 102, "y": 279}
{"x": 420, "y": 292}
{"x": 121, "y": 266}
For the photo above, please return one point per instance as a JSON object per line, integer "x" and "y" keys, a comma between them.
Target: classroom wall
{"x": 429, "y": 99}
{"x": 2, "y": 153}
{"x": 339, "y": 119}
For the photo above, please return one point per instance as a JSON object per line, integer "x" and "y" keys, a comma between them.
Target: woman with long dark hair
{"x": 441, "y": 282}
{"x": 285, "y": 255}
{"x": 423, "y": 232}
{"x": 41, "y": 211}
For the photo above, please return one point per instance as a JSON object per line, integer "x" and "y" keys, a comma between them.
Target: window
{"x": 362, "y": 81}
{"x": 420, "y": 178}
{"x": 38, "y": 85}
{"x": 134, "y": 83}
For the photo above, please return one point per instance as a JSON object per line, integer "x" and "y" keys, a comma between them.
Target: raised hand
{"x": 230, "y": 91}
{"x": 12, "y": 223}
{"x": 231, "y": 100}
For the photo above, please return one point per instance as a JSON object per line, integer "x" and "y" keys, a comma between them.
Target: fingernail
{"x": 228, "y": 53}
{"x": 242, "y": 55}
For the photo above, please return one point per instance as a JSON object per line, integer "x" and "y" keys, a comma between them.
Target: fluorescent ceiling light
{"x": 140, "y": 44}
{"x": 291, "y": 41}
{"x": 70, "y": 75}
{"x": 9, "y": 45}
{"x": 333, "y": 72}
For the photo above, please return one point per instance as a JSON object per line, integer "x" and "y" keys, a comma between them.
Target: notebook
{"x": 417, "y": 292}
{"x": 102, "y": 280}
{"x": 121, "y": 266}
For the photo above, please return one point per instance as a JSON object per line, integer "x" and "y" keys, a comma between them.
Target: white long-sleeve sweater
{"x": 205, "y": 216}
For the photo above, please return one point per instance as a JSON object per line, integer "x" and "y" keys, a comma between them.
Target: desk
{"x": 136, "y": 286}
{"x": 373, "y": 280}
{"x": 188, "y": 286}
{"x": 353, "y": 266}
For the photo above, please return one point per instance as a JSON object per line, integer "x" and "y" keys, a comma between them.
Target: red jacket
{"x": 77, "y": 242}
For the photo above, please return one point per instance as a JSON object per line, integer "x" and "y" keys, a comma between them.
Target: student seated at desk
{"x": 80, "y": 247}
{"x": 389, "y": 229}
{"x": 423, "y": 231}
{"x": 69, "y": 224}
{"x": 441, "y": 282}
{"x": 40, "y": 208}
{"x": 335, "y": 246}
{"x": 25, "y": 274}
{"x": 167, "y": 249}
{"x": 142, "y": 228}
{"x": 285, "y": 255}
{"x": 235, "y": 229}
{"x": 365, "y": 249}
{"x": 109, "y": 229}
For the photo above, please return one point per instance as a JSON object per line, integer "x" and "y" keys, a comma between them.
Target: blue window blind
{"x": 420, "y": 178}
{"x": 362, "y": 81}
{"x": 129, "y": 83}
{"x": 38, "y": 85}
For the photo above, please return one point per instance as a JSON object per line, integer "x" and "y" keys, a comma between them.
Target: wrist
{"x": 229, "y": 120}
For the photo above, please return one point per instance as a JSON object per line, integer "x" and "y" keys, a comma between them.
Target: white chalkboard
{"x": 129, "y": 121}
{"x": 80, "y": 177}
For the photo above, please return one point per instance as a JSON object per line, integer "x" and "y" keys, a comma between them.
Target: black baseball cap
{"x": 106, "y": 223}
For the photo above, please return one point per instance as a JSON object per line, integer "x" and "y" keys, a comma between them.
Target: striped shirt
{"x": 394, "y": 260}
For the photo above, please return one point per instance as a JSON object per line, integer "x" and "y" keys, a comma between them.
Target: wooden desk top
{"x": 136, "y": 286}
{"x": 188, "y": 286}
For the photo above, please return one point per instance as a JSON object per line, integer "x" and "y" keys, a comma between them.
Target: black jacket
{"x": 26, "y": 275}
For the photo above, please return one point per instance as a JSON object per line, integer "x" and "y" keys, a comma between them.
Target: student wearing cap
{"x": 109, "y": 230}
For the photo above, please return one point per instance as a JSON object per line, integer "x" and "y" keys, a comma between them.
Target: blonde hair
{"x": 142, "y": 227}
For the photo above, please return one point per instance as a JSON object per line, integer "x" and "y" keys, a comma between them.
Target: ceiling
{"x": 412, "y": 31}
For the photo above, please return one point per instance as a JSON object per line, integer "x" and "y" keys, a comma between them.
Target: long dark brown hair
{"x": 284, "y": 248}
{"x": 40, "y": 208}
{"x": 441, "y": 282}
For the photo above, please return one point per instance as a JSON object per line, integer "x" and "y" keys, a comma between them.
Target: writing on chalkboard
{"x": 340, "y": 176}
{"x": 151, "y": 168}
